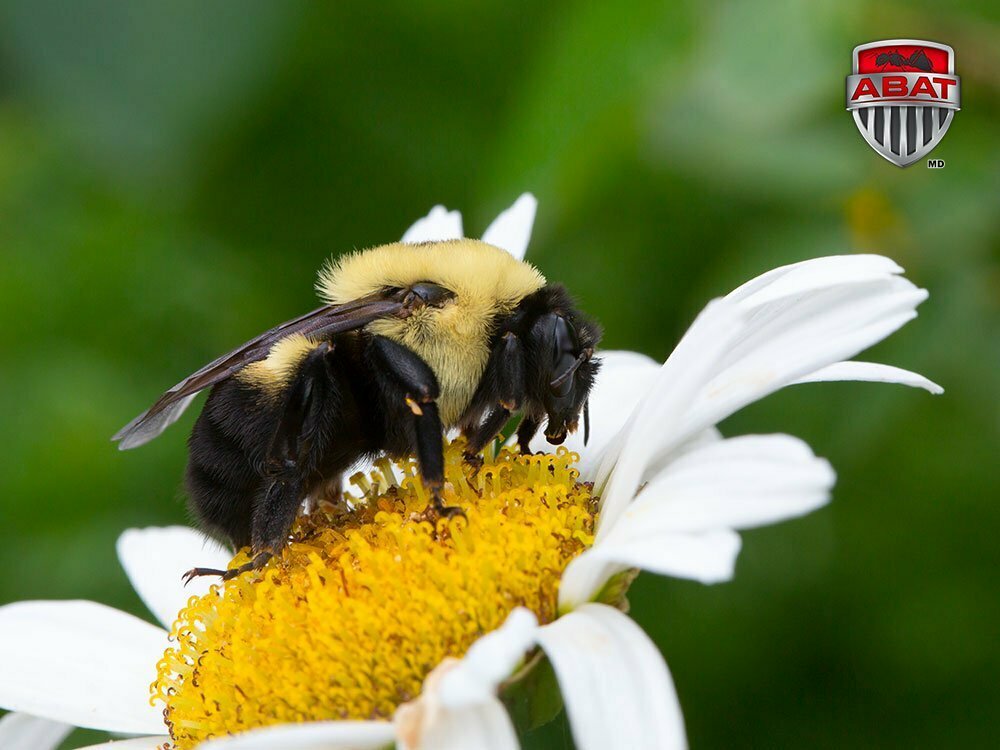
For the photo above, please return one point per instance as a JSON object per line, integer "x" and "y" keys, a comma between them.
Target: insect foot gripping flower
{"x": 375, "y": 628}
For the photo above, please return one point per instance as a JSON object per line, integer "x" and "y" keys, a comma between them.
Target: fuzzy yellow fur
{"x": 452, "y": 339}
{"x": 276, "y": 370}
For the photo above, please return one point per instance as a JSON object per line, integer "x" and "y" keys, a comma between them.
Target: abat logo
{"x": 903, "y": 94}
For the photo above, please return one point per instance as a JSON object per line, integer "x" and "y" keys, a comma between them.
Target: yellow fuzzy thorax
{"x": 362, "y": 604}
{"x": 277, "y": 369}
{"x": 486, "y": 280}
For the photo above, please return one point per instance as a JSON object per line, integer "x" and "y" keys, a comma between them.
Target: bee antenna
{"x": 586, "y": 421}
{"x": 581, "y": 358}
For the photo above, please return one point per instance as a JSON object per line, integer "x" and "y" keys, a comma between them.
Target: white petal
{"x": 769, "y": 333}
{"x": 439, "y": 224}
{"x": 511, "y": 230}
{"x": 615, "y": 360}
{"x": 366, "y": 465}
{"x": 319, "y": 735}
{"x": 155, "y": 560}
{"x": 838, "y": 310}
{"x": 614, "y": 682}
{"x": 707, "y": 557}
{"x": 25, "y": 732}
{"x": 783, "y": 342}
{"x": 490, "y": 661}
{"x": 623, "y": 379}
{"x": 651, "y": 428}
{"x": 739, "y": 483}
{"x": 797, "y": 320}
{"x": 659, "y": 463}
{"x": 484, "y": 726}
{"x": 136, "y": 743}
{"x": 458, "y": 706}
{"x": 680, "y": 523}
{"x": 871, "y": 372}
{"x": 810, "y": 275}
{"x": 81, "y": 663}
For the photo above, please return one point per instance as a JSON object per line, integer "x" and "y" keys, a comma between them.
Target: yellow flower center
{"x": 363, "y": 603}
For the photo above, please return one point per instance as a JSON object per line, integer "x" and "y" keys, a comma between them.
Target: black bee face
{"x": 567, "y": 370}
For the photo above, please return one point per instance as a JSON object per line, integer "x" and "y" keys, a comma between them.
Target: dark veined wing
{"x": 324, "y": 321}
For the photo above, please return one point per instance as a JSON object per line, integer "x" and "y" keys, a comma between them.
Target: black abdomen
{"x": 226, "y": 450}
{"x": 228, "y": 471}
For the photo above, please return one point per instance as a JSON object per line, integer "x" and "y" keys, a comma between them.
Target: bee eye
{"x": 563, "y": 340}
{"x": 564, "y": 357}
{"x": 432, "y": 294}
{"x": 563, "y": 382}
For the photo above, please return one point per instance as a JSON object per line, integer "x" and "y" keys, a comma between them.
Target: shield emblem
{"x": 903, "y": 94}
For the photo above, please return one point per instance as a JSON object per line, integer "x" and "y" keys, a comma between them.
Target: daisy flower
{"x": 375, "y": 628}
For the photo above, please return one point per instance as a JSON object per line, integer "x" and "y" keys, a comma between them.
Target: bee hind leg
{"x": 312, "y": 406}
{"x": 199, "y": 572}
{"x": 258, "y": 562}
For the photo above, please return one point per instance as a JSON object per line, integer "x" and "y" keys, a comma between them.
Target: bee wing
{"x": 323, "y": 321}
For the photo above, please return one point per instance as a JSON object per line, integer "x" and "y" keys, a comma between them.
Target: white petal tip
{"x": 511, "y": 230}
{"x": 616, "y": 687}
{"x": 155, "y": 558}
{"x": 872, "y": 373}
{"x": 490, "y": 660}
{"x": 439, "y": 224}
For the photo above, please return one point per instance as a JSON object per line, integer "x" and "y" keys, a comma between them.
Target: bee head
{"x": 561, "y": 363}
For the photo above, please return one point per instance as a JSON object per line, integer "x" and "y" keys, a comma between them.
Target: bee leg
{"x": 525, "y": 432}
{"x": 483, "y": 434}
{"x": 501, "y": 390}
{"x": 275, "y": 511}
{"x": 257, "y": 563}
{"x": 508, "y": 372}
{"x": 430, "y": 454}
{"x": 312, "y": 405}
{"x": 406, "y": 376}
{"x": 198, "y": 572}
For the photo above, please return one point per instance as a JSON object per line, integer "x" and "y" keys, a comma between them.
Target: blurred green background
{"x": 172, "y": 175}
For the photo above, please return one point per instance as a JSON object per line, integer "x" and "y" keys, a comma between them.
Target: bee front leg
{"x": 501, "y": 391}
{"x": 483, "y": 434}
{"x": 525, "y": 432}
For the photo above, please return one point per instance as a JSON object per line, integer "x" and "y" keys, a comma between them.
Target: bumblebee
{"x": 413, "y": 339}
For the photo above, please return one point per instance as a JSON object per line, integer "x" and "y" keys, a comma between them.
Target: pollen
{"x": 369, "y": 596}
